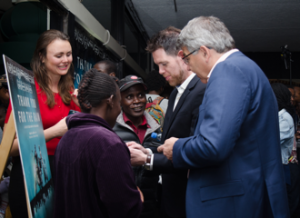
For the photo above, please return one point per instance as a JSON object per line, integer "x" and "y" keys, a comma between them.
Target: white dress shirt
{"x": 222, "y": 58}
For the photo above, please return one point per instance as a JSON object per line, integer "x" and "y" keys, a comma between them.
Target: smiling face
{"x": 133, "y": 101}
{"x": 169, "y": 67}
{"x": 58, "y": 58}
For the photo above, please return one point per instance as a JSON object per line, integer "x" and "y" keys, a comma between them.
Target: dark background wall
{"x": 273, "y": 65}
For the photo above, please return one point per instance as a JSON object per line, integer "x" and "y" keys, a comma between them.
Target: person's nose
{"x": 65, "y": 58}
{"x": 136, "y": 100}
{"x": 161, "y": 70}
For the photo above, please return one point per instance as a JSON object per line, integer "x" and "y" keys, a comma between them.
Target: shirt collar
{"x": 128, "y": 121}
{"x": 222, "y": 58}
{"x": 281, "y": 112}
{"x": 186, "y": 82}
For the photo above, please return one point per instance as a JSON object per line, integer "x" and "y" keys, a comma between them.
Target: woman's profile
{"x": 93, "y": 175}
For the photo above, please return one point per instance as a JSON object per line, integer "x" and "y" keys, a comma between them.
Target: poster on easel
{"x": 30, "y": 135}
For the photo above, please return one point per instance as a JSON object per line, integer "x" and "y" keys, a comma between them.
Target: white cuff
{"x": 149, "y": 151}
{"x": 151, "y": 163}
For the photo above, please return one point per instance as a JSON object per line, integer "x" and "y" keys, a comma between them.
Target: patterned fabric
{"x": 154, "y": 109}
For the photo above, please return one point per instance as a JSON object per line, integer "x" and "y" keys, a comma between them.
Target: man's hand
{"x": 167, "y": 147}
{"x": 137, "y": 157}
{"x": 134, "y": 145}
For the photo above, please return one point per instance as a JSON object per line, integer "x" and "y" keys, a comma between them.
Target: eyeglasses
{"x": 186, "y": 61}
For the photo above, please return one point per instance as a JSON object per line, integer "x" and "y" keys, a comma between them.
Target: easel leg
{"x": 7, "y": 141}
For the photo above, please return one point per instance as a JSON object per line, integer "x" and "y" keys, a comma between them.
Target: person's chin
{"x": 62, "y": 72}
{"x": 172, "y": 83}
{"x": 138, "y": 113}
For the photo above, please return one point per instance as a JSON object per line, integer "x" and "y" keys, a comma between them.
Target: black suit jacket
{"x": 179, "y": 123}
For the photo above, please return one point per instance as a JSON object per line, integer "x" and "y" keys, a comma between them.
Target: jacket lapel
{"x": 169, "y": 113}
{"x": 181, "y": 101}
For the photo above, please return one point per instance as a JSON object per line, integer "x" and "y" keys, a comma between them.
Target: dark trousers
{"x": 293, "y": 190}
{"x": 163, "y": 213}
{"x": 16, "y": 191}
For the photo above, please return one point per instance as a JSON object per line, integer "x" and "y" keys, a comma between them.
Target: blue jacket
{"x": 234, "y": 155}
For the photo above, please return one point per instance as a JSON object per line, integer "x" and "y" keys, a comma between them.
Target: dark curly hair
{"x": 165, "y": 39}
{"x": 155, "y": 81}
{"x": 283, "y": 97}
{"x": 93, "y": 88}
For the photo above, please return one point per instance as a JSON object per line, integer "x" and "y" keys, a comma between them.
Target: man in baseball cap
{"x": 134, "y": 124}
{"x": 129, "y": 81}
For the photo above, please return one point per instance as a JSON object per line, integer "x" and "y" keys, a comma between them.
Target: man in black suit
{"x": 180, "y": 120}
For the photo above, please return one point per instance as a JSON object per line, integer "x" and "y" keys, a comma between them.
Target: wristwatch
{"x": 147, "y": 164}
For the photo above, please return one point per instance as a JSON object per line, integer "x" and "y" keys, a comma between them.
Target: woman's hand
{"x": 57, "y": 130}
{"x": 74, "y": 97}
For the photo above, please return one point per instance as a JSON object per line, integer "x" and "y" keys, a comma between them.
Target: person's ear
{"x": 205, "y": 52}
{"x": 180, "y": 54}
{"x": 110, "y": 102}
{"x": 42, "y": 59}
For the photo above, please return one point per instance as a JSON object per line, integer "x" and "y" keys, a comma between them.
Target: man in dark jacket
{"x": 180, "y": 120}
{"x": 134, "y": 124}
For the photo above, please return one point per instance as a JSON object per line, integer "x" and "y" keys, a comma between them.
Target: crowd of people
{"x": 224, "y": 143}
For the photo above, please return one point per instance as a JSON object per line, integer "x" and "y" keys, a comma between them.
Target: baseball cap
{"x": 129, "y": 81}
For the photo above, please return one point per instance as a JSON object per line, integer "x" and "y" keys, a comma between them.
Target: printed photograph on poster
{"x": 32, "y": 146}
